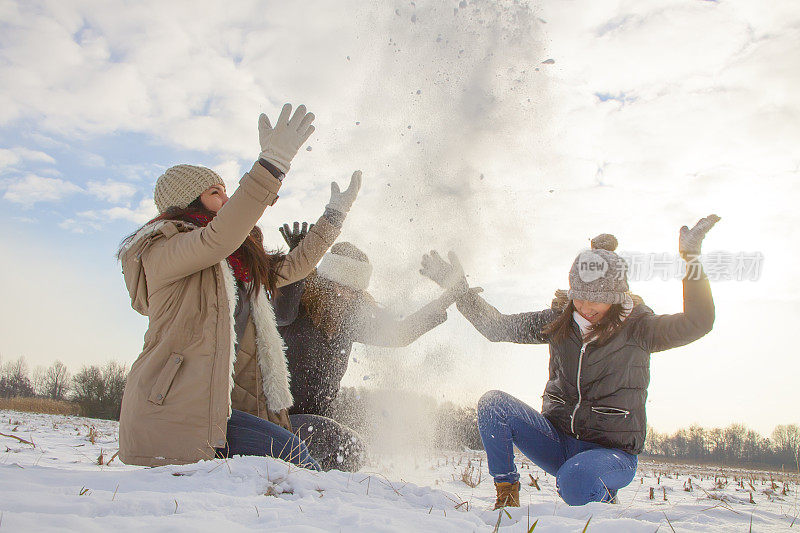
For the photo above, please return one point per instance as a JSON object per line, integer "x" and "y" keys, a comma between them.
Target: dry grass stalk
{"x": 23, "y": 441}
{"x": 534, "y": 482}
{"x": 468, "y": 475}
{"x": 92, "y": 434}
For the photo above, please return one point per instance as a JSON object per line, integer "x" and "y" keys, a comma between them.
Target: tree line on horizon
{"x": 97, "y": 391}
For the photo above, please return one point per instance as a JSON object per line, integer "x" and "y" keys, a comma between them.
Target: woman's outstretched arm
{"x": 662, "y": 332}
{"x": 525, "y": 328}
{"x": 375, "y": 327}
{"x": 304, "y": 256}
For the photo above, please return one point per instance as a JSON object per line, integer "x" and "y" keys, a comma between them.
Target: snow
{"x": 57, "y": 483}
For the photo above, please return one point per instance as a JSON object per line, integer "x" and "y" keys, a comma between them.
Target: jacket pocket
{"x": 611, "y": 411}
{"x": 555, "y": 399}
{"x": 164, "y": 381}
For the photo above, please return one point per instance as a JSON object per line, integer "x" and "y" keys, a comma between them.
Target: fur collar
{"x": 271, "y": 351}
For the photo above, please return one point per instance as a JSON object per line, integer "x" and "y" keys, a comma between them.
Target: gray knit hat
{"x": 182, "y": 184}
{"x": 599, "y": 275}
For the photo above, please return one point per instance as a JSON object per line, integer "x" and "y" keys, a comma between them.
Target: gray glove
{"x": 341, "y": 201}
{"x": 449, "y": 276}
{"x": 294, "y": 235}
{"x": 690, "y": 240}
{"x": 280, "y": 144}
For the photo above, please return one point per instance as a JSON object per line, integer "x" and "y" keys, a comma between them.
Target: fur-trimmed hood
{"x": 130, "y": 255}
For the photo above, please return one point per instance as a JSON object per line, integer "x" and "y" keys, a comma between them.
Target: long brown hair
{"x": 328, "y": 303}
{"x": 263, "y": 265}
{"x": 600, "y": 332}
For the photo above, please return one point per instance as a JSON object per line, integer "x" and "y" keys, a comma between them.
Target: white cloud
{"x": 32, "y": 189}
{"x": 145, "y": 211}
{"x": 79, "y": 226}
{"x": 111, "y": 190}
{"x": 8, "y": 158}
{"x": 230, "y": 171}
{"x": 11, "y": 157}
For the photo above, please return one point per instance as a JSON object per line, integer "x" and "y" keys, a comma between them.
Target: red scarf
{"x": 235, "y": 260}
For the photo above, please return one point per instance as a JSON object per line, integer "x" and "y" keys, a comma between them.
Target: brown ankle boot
{"x": 507, "y": 495}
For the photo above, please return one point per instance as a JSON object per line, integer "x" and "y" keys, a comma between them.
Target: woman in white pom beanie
{"x": 593, "y": 422}
{"x": 200, "y": 273}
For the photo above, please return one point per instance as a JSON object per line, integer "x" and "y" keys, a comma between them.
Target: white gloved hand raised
{"x": 690, "y": 240}
{"x": 342, "y": 201}
{"x": 449, "y": 276}
{"x": 280, "y": 144}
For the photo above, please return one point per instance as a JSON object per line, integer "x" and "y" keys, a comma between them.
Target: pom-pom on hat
{"x": 182, "y": 184}
{"x": 346, "y": 265}
{"x": 599, "y": 274}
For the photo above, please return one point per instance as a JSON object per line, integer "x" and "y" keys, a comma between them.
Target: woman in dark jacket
{"x": 593, "y": 423}
{"x": 319, "y": 319}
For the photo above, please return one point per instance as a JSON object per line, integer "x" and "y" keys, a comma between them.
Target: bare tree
{"x": 37, "y": 381}
{"x": 787, "y": 442}
{"x": 734, "y": 441}
{"x": 55, "y": 382}
{"x": 14, "y": 380}
{"x": 99, "y": 390}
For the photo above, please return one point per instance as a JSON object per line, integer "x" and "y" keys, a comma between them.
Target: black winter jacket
{"x": 598, "y": 393}
{"x": 317, "y": 363}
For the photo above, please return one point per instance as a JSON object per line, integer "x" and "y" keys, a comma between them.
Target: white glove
{"x": 281, "y": 143}
{"x": 690, "y": 240}
{"x": 341, "y": 201}
{"x": 449, "y": 276}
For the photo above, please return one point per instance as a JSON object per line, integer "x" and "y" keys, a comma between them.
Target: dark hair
{"x": 600, "y": 333}
{"x": 263, "y": 265}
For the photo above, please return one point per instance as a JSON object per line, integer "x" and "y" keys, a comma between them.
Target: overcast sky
{"x": 507, "y": 132}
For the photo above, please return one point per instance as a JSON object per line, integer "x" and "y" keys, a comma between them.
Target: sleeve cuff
{"x": 261, "y": 184}
{"x": 326, "y": 230}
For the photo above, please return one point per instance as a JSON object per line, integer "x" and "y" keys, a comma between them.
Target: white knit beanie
{"x": 182, "y": 184}
{"x": 339, "y": 266}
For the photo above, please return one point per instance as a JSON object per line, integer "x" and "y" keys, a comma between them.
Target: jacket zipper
{"x": 611, "y": 411}
{"x": 556, "y": 399}
{"x": 580, "y": 362}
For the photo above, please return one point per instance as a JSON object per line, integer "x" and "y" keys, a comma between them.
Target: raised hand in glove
{"x": 341, "y": 201}
{"x": 690, "y": 240}
{"x": 280, "y": 144}
{"x": 295, "y": 235}
{"x": 449, "y": 276}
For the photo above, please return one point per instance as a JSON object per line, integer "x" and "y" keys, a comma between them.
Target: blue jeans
{"x": 250, "y": 435}
{"x": 584, "y": 471}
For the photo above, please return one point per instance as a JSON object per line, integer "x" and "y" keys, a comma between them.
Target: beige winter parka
{"x": 178, "y": 395}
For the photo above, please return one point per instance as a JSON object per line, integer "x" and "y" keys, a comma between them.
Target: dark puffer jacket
{"x": 598, "y": 393}
{"x": 317, "y": 363}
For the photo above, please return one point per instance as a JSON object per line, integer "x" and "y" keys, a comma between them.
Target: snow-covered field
{"x": 64, "y": 478}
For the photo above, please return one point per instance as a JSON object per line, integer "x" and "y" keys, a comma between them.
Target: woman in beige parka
{"x": 199, "y": 272}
